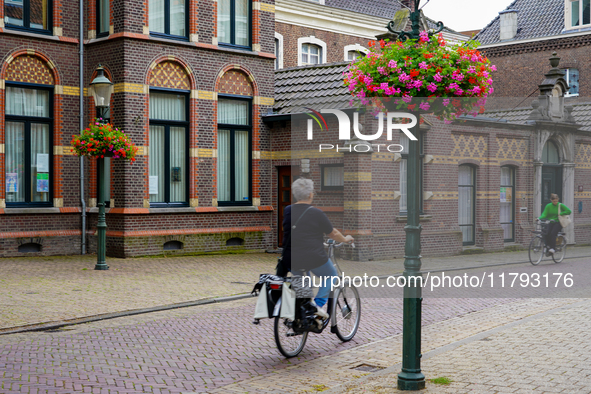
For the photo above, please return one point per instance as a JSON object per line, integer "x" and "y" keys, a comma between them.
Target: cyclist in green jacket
{"x": 551, "y": 213}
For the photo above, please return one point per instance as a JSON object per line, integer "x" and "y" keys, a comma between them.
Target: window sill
{"x": 6, "y": 30}
{"x": 30, "y": 211}
{"x": 422, "y": 218}
{"x": 183, "y": 210}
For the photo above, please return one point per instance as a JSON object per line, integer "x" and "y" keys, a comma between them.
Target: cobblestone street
{"x": 215, "y": 348}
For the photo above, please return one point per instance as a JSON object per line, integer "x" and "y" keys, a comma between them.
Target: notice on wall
{"x": 153, "y": 184}
{"x": 42, "y": 162}
{"x": 42, "y": 182}
{"x": 11, "y": 182}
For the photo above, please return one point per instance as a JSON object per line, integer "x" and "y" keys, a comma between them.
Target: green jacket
{"x": 551, "y": 212}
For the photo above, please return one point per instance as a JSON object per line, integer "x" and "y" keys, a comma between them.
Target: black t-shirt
{"x": 305, "y": 249}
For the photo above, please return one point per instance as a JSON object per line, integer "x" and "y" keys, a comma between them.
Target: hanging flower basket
{"x": 423, "y": 75}
{"x": 103, "y": 140}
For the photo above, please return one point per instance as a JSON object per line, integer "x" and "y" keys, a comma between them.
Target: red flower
{"x": 382, "y": 43}
{"x": 414, "y": 73}
{"x": 371, "y": 43}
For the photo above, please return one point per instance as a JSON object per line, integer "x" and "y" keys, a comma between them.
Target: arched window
{"x": 278, "y": 51}
{"x": 467, "y": 203}
{"x": 28, "y": 133}
{"x": 234, "y": 139}
{"x": 354, "y": 51}
{"x": 550, "y": 153}
{"x": 169, "y": 136}
{"x": 311, "y": 50}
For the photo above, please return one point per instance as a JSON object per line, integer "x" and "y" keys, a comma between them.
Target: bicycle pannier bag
{"x": 288, "y": 302}
{"x": 261, "y": 310}
{"x": 564, "y": 220}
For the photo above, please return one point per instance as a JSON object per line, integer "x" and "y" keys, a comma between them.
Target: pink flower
{"x": 457, "y": 76}
{"x": 424, "y": 106}
{"x": 446, "y": 102}
{"x": 493, "y": 68}
{"x": 418, "y": 84}
{"x": 471, "y": 70}
{"x": 361, "y": 94}
{"x": 423, "y": 65}
{"x": 406, "y": 98}
{"x": 438, "y": 77}
{"x": 459, "y": 92}
{"x": 384, "y": 85}
{"x": 393, "y": 64}
{"x": 453, "y": 86}
{"x": 447, "y": 121}
{"x": 403, "y": 77}
{"x": 431, "y": 87}
{"x": 382, "y": 71}
{"x": 476, "y": 90}
{"x": 423, "y": 36}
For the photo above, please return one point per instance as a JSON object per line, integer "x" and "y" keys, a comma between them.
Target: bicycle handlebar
{"x": 333, "y": 243}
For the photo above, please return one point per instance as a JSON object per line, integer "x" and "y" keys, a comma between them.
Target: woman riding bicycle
{"x": 303, "y": 250}
{"x": 551, "y": 213}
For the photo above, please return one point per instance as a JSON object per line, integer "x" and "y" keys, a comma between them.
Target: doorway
{"x": 284, "y": 197}
{"x": 551, "y": 173}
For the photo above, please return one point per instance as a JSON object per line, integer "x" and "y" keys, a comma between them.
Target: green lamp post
{"x": 411, "y": 377}
{"x": 101, "y": 89}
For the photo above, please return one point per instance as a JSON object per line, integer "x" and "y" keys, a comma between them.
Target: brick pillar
{"x": 357, "y": 197}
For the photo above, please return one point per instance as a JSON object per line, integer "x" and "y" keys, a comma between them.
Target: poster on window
{"x": 153, "y": 184}
{"x": 503, "y": 194}
{"x": 42, "y": 162}
{"x": 11, "y": 182}
{"x": 42, "y": 183}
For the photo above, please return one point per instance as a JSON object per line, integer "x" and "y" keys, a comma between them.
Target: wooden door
{"x": 285, "y": 179}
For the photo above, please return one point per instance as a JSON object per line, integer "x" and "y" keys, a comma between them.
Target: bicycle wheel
{"x": 289, "y": 343}
{"x": 346, "y": 312}
{"x": 536, "y": 250}
{"x": 560, "y": 252}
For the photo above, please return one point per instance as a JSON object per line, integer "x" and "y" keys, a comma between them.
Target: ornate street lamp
{"x": 101, "y": 89}
{"x": 411, "y": 377}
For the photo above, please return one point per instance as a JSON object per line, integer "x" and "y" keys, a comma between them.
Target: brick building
{"x": 484, "y": 180}
{"x": 190, "y": 82}
{"x": 332, "y": 31}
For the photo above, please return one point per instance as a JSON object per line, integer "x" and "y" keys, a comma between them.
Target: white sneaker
{"x": 319, "y": 311}
{"x": 551, "y": 251}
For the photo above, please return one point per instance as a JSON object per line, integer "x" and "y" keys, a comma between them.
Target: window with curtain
{"x": 234, "y": 22}
{"x": 169, "y": 156}
{"x": 102, "y": 17}
{"x": 311, "y": 54}
{"x": 234, "y": 152}
{"x": 28, "y": 14}
{"x": 466, "y": 203}
{"x": 28, "y": 147}
{"x": 168, "y": 17}
{"x": 580, "y": 12}
{"x": 333, "y": 177}
{"x": 404, "y": 141}
{"x": 507, "y": 210}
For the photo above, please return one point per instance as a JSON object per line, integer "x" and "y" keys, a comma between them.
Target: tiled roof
{"x": 380, "y": 8}
{"x": 535, "y": 18}
{"x": 581, "y": 113}
{"x": 319, "y": 86}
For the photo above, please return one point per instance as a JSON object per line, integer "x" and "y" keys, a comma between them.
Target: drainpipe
{"x": 81, "y": 115}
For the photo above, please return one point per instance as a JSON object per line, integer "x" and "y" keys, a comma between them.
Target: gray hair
{"x": 302, "y": 188}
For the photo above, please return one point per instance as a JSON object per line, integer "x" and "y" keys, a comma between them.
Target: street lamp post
{"x": 102, "y": 89}
{"x": 411, "y": 377}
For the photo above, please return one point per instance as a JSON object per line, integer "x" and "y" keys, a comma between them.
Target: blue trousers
{"x": 325, "y": 272}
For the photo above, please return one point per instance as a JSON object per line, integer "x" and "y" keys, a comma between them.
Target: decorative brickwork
{"x": 512, "y": 149}
{"x": 235, "y": 82}
{"x": 29, "y": 69}
{"x": 583, "y": 155}
{"x": 468, "y": 145}
{"x": 169, "y": 75}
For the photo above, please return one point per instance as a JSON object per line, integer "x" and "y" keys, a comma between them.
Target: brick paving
{"x": 52, "y": 289}
{"x": 215, "y": 348}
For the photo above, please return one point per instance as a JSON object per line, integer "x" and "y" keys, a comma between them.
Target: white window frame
{"x": 568, "y": 15}
{"x": 279, "y": 38}
{"x": 353, "y": 47}
{"x": 314, "y": 41}
{"x": 567, "y": 77}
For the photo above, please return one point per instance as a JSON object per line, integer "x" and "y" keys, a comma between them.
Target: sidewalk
{"x": 57, "y": 289}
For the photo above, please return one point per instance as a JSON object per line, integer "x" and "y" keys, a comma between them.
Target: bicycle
{"x": 538, "y": 247}
{"x": 343, "y": 308}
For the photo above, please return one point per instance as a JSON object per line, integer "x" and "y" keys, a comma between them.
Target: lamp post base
{"x": 415, "y": 381}
{"x": 101, "y": 266}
